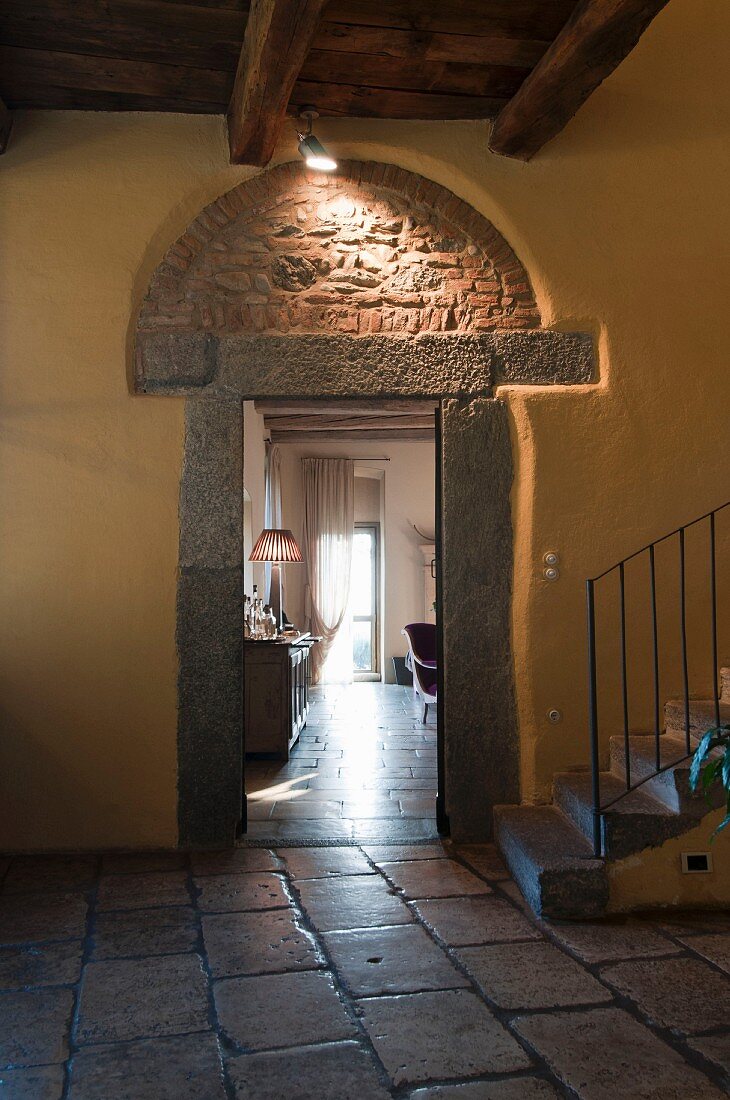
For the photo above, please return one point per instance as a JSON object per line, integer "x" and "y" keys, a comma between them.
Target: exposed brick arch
{"x": 370, "y": 249}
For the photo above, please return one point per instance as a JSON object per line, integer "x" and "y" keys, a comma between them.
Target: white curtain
{"x": 272, "y": 508}
{"x": 329, "y": 519}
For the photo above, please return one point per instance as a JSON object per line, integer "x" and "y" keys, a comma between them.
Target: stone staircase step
{"x": 670, "y": 787}
{"x": 701, "y": 716}
{"x": 551, "y": 862}
{"x": 637, "y": 821}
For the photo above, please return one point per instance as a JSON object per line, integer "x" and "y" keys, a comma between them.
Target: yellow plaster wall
{"x": 623, "y": 224}
{"x": 654, "y": 877}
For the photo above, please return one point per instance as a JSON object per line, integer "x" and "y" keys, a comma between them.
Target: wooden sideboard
{"x": 276, "y": 694}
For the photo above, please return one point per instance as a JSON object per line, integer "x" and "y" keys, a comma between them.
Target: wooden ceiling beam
{"x": 278, "y": 37}
{"x": 401, "y": 435}
{"x": 464, "y": 49}
{"x": 596, "y": 38}
{"x": 6, "y": 125}
{"x": 354, "y": 424}
{"x": 353, "y": 101}
{"x": 356, "y": 406}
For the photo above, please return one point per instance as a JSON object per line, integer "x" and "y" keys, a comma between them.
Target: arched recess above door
{"x": 370, "y": 249}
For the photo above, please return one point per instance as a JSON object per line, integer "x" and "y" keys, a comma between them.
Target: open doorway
{"x": 359, "y": 757}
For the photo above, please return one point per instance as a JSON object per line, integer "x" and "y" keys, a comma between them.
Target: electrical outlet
{"x": 696, "y": 863}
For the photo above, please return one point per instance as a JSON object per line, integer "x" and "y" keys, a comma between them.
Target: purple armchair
{"x": 421, "y": 660}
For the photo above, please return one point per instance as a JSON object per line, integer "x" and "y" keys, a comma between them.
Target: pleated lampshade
{"x": 275, "y": 545}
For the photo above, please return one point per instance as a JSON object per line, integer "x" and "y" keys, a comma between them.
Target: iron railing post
{"x": 593, "y": 718}
{"x": 683, "y": 598}
{"x": 713, "y": 592}
{"x": 624, "y": 684}
{"x": 655, "y": 643}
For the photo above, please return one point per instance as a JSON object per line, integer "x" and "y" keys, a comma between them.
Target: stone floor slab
{"x": 438, "y": 878}
{"x": 417, "y": 805}
{"x": 39, "y": 918}
{"x": 142, "y": 998}
{"x": 461, "y": 922}
{"x": 41, "y": 873}
{"x": 303, "y": 832}
{"x": 324, "y": 862}
{"x": 179, "y": 1068}
{"x": 339, "y": 1071}
{"x": 136, "y": 932}
{"x": 517, "y": 1088}
{"x": 684, "y": 994}
{"x": 432, "y": 1036}
{"x": 351, "y": 901}
{"x": 600, "y": 941}
{"x": 122, "y": 863}
{"x": 691, "y": 922}
{"x": 391, "y": 960}
{"x": 715, "y": 948}
{"x": 241, "y": 892}
{"x": 716, "y": 1048}
{"x": 369, "y": 808}
{"x": 34, "y": 1027}
{"x": 258, "y": 943}
{"x": 41, "y": 1083}
{"x": 604, "y": 1054}
{"x": 394, "y": 829}
{"x": 282, "y": 1010}
{"x": 232, "y": 860}
{"x": 319, "y": 810}
{"x": 531, "y": 975}
{"x": 40, "y": 964}
{"x": 390, "y": 853}
{"x": 143, "y": 890}
{"x": 484, "y": 859}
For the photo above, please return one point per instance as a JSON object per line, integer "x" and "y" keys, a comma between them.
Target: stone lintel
{"x": 249, "y": 366}
{"x": 540, "y": 357}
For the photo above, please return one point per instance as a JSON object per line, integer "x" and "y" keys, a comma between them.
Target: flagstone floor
{"x": 364, "y": 768}
{"x": 359, "y": 972}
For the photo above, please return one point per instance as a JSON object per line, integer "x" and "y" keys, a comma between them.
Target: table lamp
{"x": 277, "y": 546}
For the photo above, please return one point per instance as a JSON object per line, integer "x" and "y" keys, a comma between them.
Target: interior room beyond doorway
{"x": 364, "y": 762}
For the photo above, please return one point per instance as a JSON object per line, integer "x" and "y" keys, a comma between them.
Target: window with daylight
{"x": 364, "y": 601}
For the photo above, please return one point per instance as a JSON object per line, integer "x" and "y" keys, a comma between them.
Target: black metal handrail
{"x": 619, "y": 569}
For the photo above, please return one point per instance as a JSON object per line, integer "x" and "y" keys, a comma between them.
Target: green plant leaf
{"x": 710, "y": 772}
{"x": 726, "y": 768}
{"x": 700, "y": 753}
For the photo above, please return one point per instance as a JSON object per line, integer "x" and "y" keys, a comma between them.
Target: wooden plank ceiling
{"x": 348, "y": 421}
{"x": 419, "y": 59}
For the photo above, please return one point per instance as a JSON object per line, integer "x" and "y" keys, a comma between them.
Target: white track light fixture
{"x": 314, "y": 153}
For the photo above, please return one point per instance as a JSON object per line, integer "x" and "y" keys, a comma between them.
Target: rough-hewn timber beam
{"x": 6, "y": 125}
{"x": 278, "y": 37}
{"x": 353, "y": 406}
{"x": 399, "y": 435}
{"x": 326, "y": 423}
{"x": 597, "y": 37}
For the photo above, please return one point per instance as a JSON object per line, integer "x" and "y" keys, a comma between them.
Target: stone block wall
{"x": 371, "y": 249}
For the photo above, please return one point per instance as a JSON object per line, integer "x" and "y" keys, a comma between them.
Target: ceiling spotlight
{"x": 314, "y": 153}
